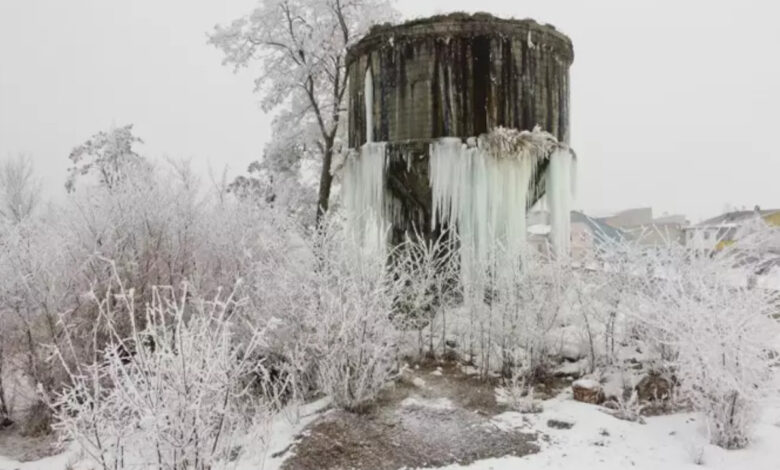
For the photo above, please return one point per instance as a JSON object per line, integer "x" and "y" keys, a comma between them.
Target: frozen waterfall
{"x": 481, "y": 189}
{"x": 363, "y": 193}
{"x": 483, "y": 196}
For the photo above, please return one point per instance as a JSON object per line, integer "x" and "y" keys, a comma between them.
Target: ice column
{"x": 368, "y": 94}
{"x": 560, "y": 185}
{"x": 364, "y": 194}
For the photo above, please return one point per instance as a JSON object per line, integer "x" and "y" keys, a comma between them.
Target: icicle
{"x": 368, "y": 95}
{"x": 559, "y": 188}
{"x": 573, "y": 177}
{"x": 482, "y": 191}
{"x": 364, "y": 194}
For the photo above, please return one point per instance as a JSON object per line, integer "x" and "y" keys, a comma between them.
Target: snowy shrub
{"x": 628, "y": 407}
{"x": 355, "y": 337}
{"x": 517, "y": 393}
{"x": 176, "y": 393}
{"x": 157, "y": 226}
{"x": 36, "y": 285}
{"x": 527, "y": 303}
{"x": 427, "y": 271}
{"x": 716, "y": 331}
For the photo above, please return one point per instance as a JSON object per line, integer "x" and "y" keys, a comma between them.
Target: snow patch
{"x": 600, "y": 441}
{"x": 437, "y": 403}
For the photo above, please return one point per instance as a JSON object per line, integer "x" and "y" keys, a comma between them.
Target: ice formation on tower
{"x": 560, "y": 186}
{"x": 368, "y": 96}
{"x": 363, "y": 194}
{"x": 481, "y": 189}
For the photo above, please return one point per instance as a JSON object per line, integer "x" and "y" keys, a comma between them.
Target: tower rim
{"x": 463, "y": 24}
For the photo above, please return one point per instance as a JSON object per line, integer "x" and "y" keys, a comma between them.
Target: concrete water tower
{"x": 454, "y": 76}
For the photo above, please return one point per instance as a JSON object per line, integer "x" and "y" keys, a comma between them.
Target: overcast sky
{"x": 674, "y": 103}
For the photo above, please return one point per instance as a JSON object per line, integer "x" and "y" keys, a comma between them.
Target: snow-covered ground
{"x": 596, "y": 440}
{"x": 267, "y": 455}
{"x": 599, "y": 441}
{"x": 57, "y": 462}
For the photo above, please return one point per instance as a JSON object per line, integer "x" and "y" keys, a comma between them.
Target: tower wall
{"x": 460, "y": 75}
{"x": 457, "y": 75}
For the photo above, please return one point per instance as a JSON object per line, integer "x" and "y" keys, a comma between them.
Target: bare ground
{"x": 26, "y": 448}
{"x": 435, "y": 415}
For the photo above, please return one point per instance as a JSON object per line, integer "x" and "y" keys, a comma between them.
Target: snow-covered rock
{"x": 588, "y": 391}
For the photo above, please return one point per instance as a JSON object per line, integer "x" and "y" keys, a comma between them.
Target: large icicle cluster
{"x": 482, "y": 188}
{"x": 363, "y": 193}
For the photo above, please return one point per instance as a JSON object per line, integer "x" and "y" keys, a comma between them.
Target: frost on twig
{"x": 179, "y": 392}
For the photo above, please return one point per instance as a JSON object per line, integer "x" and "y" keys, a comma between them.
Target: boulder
{"x": 588, "y": 391}
{"x": 654, "y": 387}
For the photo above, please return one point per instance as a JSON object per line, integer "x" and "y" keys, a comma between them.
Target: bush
{"x": 175, "y": 393}
{"x": 354, "y": 335}
{"x": 716, "y": 333}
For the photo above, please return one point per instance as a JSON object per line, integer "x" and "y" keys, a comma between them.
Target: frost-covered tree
{"x": 20, "y": 192}
{"x": 710, "y": 325}
{"x": 276, "y": 182}
{"x": 300, "y": 47}
{"x": 107, "y": 154}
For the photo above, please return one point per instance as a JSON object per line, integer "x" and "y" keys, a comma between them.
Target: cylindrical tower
{"x": 459, "y": 75}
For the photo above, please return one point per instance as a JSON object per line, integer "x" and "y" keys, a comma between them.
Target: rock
{"x": 588, "y": 391}
{"x": 653, "y": 387}
{"x": 558, "y": 424}
{"x": 418, "y": 382}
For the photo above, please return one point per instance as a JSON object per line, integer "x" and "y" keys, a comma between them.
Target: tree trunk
{"x": 3, "y": 405}
{"x": 326, "y": 179}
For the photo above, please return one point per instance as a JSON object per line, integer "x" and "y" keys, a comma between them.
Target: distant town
{"x": 641, "y": 226}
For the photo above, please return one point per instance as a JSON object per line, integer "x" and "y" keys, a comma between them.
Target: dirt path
{"x": 435, "y": 416}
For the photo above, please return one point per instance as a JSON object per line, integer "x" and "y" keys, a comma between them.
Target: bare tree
{"x": 108, "y": 154}
{"x": 20, "y": 191}
{"x": 300, "y": 47}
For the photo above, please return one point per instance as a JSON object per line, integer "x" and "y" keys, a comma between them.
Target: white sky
{"x": 674, "y": 103}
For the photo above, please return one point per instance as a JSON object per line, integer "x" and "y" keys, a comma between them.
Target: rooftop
{"x": 731, "y": 218}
